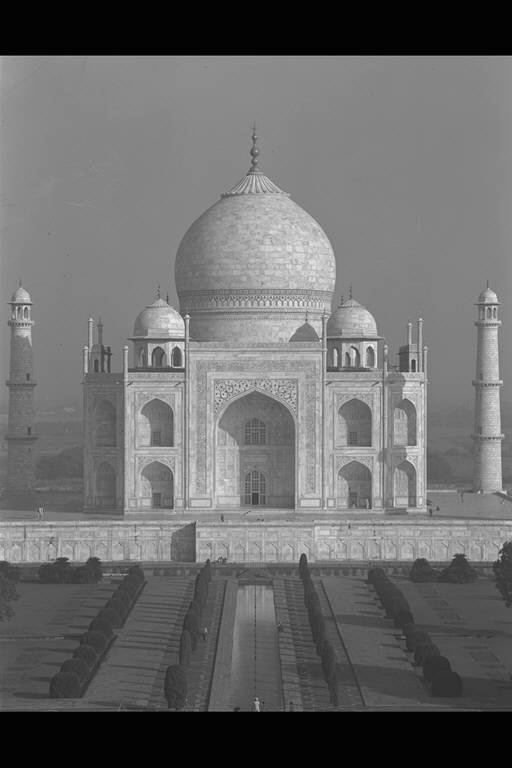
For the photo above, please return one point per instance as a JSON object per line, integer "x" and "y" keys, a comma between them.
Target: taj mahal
{"x": 256, "y": 394}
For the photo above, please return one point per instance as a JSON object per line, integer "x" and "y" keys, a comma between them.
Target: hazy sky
{"x": 405, "y": 162}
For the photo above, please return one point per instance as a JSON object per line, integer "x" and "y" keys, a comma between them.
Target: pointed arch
{"x": 106, "y": 485}
{"x": 156, "y": 424}
{"x": 413, "y": 366}
{"x": 335, "y": 358}
{"x": 142, "y": 358}
{"x": 347, "y": 359}
{"x": 157, "y": 485}
{"x": 25, "y": 313}
{"x": 255, "y": 488}
{"x": 370, "y": 357}
{"x": 158, "y": 358}
{"x": 355, "y": 357}
{"x": 176, "y": 358}
{"x": 105, "y": 422}
{"x": 354, "y": 488}
{"x": 404, "y": 484}
{"x": 404, "y": 423}
{"x": 354, "y": 423}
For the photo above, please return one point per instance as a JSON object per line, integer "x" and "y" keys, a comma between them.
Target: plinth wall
{"x": 322, "y": 541}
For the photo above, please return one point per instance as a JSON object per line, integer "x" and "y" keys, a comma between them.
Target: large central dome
{"x": 251, "y": 266}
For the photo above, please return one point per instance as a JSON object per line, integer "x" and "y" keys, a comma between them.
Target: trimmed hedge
{"x": 101, "y": 625}
{"x": 303, "y": 565}
{"x": 423, "y": 650}
{"x": 175, "y": 687}
{"x": 376, "y": 574}
{"x": 76, "y": 667}
{"x": 435, "y": 664}
{"x": 118, "y": 606}
{"x": 108, "y": 614}
{"x": 65, "y": 686}
{"x": 191, "y": 624}
{"x": 137, "y": 572}
{"x": 87, "y": 653}
{"x": 95, "y": 639}
{"x": 328, "y": 660}
{"x": 417, "y": 638}
{"x": 124, "y": 598}
{"x": 447, "y": 684}
{"x": 422, "y": 572}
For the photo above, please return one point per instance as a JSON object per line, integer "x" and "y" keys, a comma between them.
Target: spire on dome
{"x": 350, "y": 291}
{"x": 254, "y": 151}
{"x": 158, "y": 293}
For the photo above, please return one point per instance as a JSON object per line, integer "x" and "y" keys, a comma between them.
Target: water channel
{"x": 255, "y": 664}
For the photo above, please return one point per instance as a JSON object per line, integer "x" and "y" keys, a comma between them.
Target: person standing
{"x": 256, "y": 705}
{"x": 204, "y": 633}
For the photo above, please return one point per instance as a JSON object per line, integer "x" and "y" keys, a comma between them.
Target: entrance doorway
{"x": 255, "y": 489}
{"x": 157, "y": 500}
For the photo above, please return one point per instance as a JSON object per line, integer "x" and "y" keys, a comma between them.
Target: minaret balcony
{"x": 20, "y": 383}
{"x": 484, "y": 438}
{"x": 484, "y": 383}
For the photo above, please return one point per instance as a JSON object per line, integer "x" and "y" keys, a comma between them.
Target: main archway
{"x": 255, "y": 454}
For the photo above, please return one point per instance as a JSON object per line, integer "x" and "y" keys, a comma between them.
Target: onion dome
{"x": 21, "y": 296}
{"x": 352, "y": 320}
{"x": 159, "y": 319}
{"x": 249, "y": 267}
{"x": 306, "y": 332}
{"x": 488, "y": 296}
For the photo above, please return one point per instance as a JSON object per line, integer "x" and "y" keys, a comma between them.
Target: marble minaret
{"x": 487, "y": 435}
{"x": 21, "y": 429}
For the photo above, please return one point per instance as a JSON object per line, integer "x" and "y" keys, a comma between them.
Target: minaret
{"x": 487, "y": 436}
{"x": 21, "y": 430}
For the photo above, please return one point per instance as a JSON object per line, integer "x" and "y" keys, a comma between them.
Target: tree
{"x": 7, "y": 595}
{"x": 303, "y": 565}
{"x": 422, "y": 572}
{"x": 185, "y": 648}
{"x": 458, "y": 572}
{"x": 67, "y": 463}
{"x": 503, "y": 572}
{"x": 175, "y": 687}
{"x": 191, "y": 624}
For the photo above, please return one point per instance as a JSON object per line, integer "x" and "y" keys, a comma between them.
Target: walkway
{"x": 128, "y": 673}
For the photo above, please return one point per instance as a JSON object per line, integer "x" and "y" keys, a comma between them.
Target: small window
{"x": 352, "y": 438}
{"x": 158, "y": 358}
{"x": 25, "y": 313}
{"x": 413, "y": 366}
{"x": 157, "y": 500}
{"x": 29, "y": 430}
{"x": 156, "y": 438}
{"x": 96, "y": 366}
{"x": 28, "y": 376}
{"x": 255, "y": 432}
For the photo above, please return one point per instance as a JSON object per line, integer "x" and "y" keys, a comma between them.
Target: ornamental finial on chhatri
{"x": 254, "y": 151}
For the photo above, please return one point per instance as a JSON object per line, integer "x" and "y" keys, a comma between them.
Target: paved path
{"x": 127, "y": 675}
{"x": 384, "y": 672}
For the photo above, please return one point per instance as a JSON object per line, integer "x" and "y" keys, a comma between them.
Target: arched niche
{"x": 157, "y": 485}
{"x": 404, "y": 423}
{"x": 155, "y": 424}
{"x": 354, "y": 487}
{"x": 158, "y": 358}
{"x": 404, "y": 483}
{"x": 354, "y": 423}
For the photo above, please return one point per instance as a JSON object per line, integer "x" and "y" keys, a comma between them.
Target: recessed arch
{"x": 156, "y": 424}
{"x": 157, "y": 486}
{"x": 347, "y": 359}
{"x": 404, "y": 423}
{"x": 335, "y": 358}
{"x": 176, "y": 358}
{"x": 105, "y": 422}
{"x": 158, "y": 358}
{"x": 255, "y": 414}
{"x": 355, "y": 423}
{"x": 404, "y": 483}
{"x": 106, "y": 485}
{"x": 370, "y": 357}
{"x": 355, "y": 357}
{"x": 354, "y": 487}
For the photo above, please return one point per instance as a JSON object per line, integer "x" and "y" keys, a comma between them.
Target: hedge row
{"x": 458, "y": 571}
{"x": 317, "y": 623}
{"x": 75, "y": 674}
{"x": 437, "y": 669}
{"x": 62, "y": 572}
{"x": 175, "y": 683}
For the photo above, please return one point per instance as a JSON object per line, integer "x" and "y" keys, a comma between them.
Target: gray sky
{"x": 405, "y": 162}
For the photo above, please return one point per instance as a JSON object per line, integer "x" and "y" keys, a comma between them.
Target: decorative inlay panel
{"x": 345, "y": 397}
{"x": 341, "y": 461}
{"x": 281, "y": 389}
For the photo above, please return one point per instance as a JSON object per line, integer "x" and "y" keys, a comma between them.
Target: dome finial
{"x": 254, "y": 151}
{"x": 158, "y": 292}
{"x": 350, "y": 292}
{"x": 20, "y": 284}
{"x": 487, "y": 284}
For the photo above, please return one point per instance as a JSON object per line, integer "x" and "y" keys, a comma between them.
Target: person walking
{"x": 430, "y": 511}
{"x": 222, "y": 518}
{"x": 256, "y": 705}
{"x": 40, "y": 513}
{"x": 204, "y": 633}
